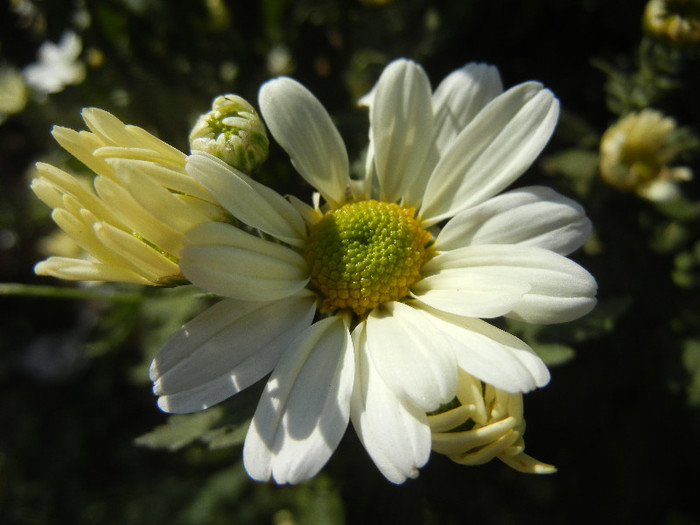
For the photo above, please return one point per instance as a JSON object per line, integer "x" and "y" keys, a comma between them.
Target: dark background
{"x": 619, "y": 418}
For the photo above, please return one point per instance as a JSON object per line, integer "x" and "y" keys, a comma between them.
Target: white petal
{"x": 532, "y": 216}
{"x": 560, "y": 289}
{"x": 470, "y": 292}
{"x": 396, "y": 435}
{"x": 492, "y": 151}
{"x": 226, "y": 349}
{"x": 460, "y": 97}
{"x": 304, "y": 410}
{"x": 253, "y": 203}
{"x": 302, "y": 126}
{"x": 413, "y": 358}
{"x": 492, "y": 355}
{"x": 401, "y": 120}
{"x": 224, "y": 260}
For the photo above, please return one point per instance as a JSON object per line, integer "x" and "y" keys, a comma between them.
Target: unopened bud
{"x": 234, "y": 132}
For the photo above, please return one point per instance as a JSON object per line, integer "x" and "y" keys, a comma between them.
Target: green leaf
{"x": 554, "y": 354}
{"x": 575, "y": 163}
{"x": 180, "y": 430}
{"x": 691, "y": 361}
{"x": 226, "y": 436}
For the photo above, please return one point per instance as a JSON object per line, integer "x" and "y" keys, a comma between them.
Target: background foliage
{"x": 81, "y": 439}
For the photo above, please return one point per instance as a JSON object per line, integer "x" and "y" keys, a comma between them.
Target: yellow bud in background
{"x": 234, "y": 132}
{"x": 676, "y": 21}
{"x": 635, "y": 153}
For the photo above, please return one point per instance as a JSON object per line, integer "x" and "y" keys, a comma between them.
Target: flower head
{"x": 635, "y": 153}
{"x": 369, "y": 305}
{"x": 130, "y": 219}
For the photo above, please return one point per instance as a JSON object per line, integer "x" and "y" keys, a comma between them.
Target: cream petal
{"x": 490, "y": 354}
{"x": 247, "y": 200}
{"x": 304, "y": 410}
{"x": 412, "y": 357}
{"x": 226, "y": 349}
{"x": 396, "y": 435}
{"x": 134, "y": 253}
{"x": 84, "y": 270}
{"x": 161, "y": 203}
{"x": 470, "y": 292}
{"x": 302, "y": 126}
{"x": 532, "y": 216}
{"x": 174, "y": 178}
{"x": 460, "y": 97}
{"x": 497, "y": 146}
{"x": 401, "y": 121}
{"x": 560, "y": 289}
{"x": 139, "y": 217}
{"x": 108, "y": 128}
{"x": 82, "y": 144}
{"x": 224, "y": 260}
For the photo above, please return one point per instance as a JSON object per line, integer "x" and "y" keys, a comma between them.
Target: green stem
{"x": 53, "y": 292}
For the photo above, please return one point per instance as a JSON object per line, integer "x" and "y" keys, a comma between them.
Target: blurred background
{"x": 81, "y": 439}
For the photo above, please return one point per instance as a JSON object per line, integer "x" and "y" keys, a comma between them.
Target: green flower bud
{"x": 233, "y": 132}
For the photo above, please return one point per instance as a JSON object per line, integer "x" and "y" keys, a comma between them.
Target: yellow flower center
{"x": 364, "y": 254}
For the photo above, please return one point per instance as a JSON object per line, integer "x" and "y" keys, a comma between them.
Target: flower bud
{"x": 233, "y": 132}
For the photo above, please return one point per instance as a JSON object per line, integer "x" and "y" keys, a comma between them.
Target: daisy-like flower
{"x": 130, "y": 218}
{"x": 369, "y": 305}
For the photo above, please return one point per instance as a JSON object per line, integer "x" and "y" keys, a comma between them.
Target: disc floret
{"x": 365, "y": 253}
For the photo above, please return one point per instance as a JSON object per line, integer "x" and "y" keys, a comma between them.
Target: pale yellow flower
{"x": 131, "y": 217}
{"x": 635, "y": 153}
{"x": 483, "y": 423}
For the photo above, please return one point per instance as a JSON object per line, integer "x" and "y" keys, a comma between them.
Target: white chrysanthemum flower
{"x": 58, "y": 65}
{"x": 130, "y": 218}
{"x": 366, "y": 310}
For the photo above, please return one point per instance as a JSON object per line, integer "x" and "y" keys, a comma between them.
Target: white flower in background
{"x": 130, "y": 217}
{"x": 365, "y": 307}
{"x": 58, "y": 65}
